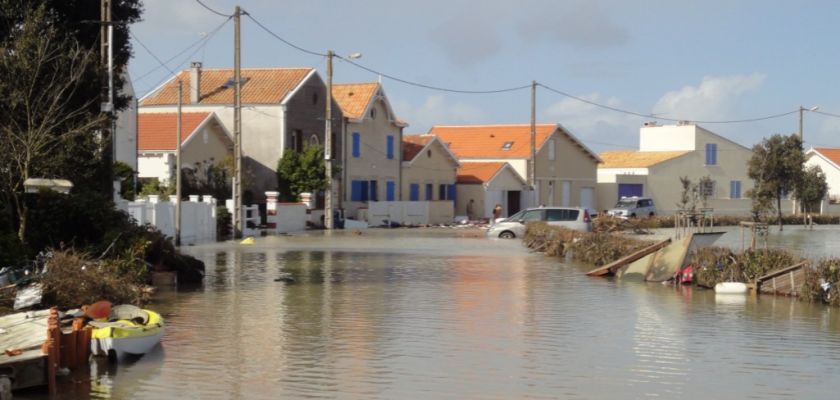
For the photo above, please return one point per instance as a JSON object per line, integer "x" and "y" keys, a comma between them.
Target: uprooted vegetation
{"x": 598, "y": 248}
{"x": 713, "y": 265}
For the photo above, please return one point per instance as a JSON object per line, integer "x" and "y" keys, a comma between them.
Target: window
{"x": 389, "y": 190}
{"x": 735, "y": 189}
{"x": 533, "y": 215}
{"x": 313, "y": 140}
{"x": 357, "y": 144}
{"x": 428, "y": 154}
{"x": 315, "y": 98}
{"x": 451, "y": 194}
{"x": 442, "y": 192}
{"x": 507, "y": 146}
{"x": 561, "y": 215}
{"x": 389, "y": 147}
{"x": 707, "y": 188}
{"x": 374, "y": 196}
{"x": 551, "y": 150}
{"x": 358, "y": 191}
{"x": 430, "y": 188}
{"x": 711, "y": 154}
{"x": 414, "y": 192}
{"x": 373, "y": 113}
{"x": 297, "y": 140}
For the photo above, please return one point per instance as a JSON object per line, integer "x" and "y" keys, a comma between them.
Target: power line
{"x": 221, "y": 14}
{"x": 391, "y": 77}
{"x": 827, "y": 114}
{"x": 278, "y": 37}
{"x": 197, "y": 42}
{"x": 653, "y": 116}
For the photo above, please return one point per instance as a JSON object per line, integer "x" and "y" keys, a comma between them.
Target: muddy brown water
{"x": 447, "y": 314}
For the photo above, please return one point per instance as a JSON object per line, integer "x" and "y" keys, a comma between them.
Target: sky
{"x": 688, "y": 60}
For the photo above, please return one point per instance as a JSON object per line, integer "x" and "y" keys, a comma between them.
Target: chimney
{"x": 195, "y": 82}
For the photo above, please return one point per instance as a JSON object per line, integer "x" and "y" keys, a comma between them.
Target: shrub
{"x": 713, "y": 265}
{"x": 826, "y": 271}
{"x": 589, "y": 247}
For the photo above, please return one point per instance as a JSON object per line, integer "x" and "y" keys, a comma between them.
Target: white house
{"x": 669, "y": 152}
{"x": 487, "y": 184}
{"x": 204, "y": 141}
{"x": 828, "y": 160}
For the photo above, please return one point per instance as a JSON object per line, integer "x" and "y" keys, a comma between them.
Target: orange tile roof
{"x": 354, "y": 98}
{"x": 157, "y": 131}
{"x": 261, "y": 86}
{"x": 832, "y": 155}
{"x": 486, "y": 141}
{"x": 636, "y": 159}
{"x": 414, "y": 144}
{"x": 478, "y": 172}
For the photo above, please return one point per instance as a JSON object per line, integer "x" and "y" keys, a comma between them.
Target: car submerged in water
{"x": 567, "y": 217}
{"x": 633, "y": 207}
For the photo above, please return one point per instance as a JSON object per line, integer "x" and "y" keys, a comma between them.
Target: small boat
{"x": 731, "y": 288}
{"x": 128, "y": 330}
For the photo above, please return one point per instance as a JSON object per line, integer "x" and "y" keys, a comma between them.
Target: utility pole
{"x": 801, "y": 112}
{"x": 106, "y": 54}
{"x": 178, "y": 170}
{"x": 532, "y": 179}
{"x": 328, "y": 201}
{"x": 237, "y": 127}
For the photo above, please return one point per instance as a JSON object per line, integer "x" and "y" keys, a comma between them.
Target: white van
{"x": 567, "y": 217}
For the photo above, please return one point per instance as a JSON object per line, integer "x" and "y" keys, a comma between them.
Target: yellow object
{"x": 127, "y": 329}
{"x": 247, "y": 240}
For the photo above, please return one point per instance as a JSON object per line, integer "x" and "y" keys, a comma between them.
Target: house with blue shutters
{"x": 668, "y": 152}
{"x": 371, "y": 156}
{"x": 429, "y": 170}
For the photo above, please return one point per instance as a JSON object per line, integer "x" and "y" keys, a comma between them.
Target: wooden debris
{"x": 614, "y": 266}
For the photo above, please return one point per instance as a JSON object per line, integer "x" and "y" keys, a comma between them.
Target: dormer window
{"x": 507, "y": 146}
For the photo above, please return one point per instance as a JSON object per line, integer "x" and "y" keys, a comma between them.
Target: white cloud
{"x": 436, "y": 111}
{"x": 599, "y": 128}
{"x": 714, "y": 98}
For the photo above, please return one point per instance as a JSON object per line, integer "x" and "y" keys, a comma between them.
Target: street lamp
{"x": 801, "y": 112}
{"x": 328, "y": 156}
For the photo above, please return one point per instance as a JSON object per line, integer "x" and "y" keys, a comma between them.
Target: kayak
{"x": 128, "y": 330}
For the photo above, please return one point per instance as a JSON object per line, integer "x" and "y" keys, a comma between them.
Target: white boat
{"x": 130, "y": 330}
{"x": 731, "y": 288}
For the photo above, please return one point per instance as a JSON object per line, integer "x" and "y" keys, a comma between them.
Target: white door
{"x": 567, "y": 193}
{"x": 586, "y": 198}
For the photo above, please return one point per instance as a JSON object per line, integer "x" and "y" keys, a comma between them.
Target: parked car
{"x": 632, "y": 207}
{"x": 568, "y": 217}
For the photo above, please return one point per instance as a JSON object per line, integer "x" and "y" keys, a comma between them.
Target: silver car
{"x": 632, "y": 207}
{"x": 568, "y": 217}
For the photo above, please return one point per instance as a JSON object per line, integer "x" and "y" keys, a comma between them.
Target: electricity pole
{"x": 237, "y": 128}
{"x": 532, "y": 179}
{"x": 107, "y": 106}
{"x": 328, "y": 201}
{"x": 178, "y": 170}
{"x": 801, "y": 112}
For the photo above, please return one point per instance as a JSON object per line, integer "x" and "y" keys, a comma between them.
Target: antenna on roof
{"x": 380, "y": 78}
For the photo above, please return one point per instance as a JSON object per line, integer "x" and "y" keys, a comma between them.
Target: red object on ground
{"x": 99, "y": 310}
{"x": 686, "y": 275}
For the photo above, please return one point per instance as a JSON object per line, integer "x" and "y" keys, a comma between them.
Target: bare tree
{"x": 41, "y": 108}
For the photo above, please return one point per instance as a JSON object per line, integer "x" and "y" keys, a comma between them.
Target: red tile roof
{"x": 354, "y": 98}
{"x": 158, "y": 131}
{"x": 487, "y": 141}
{"x": 414, "y": 144}
{"x": 478, "y": 172}
{"x": 832, "y": 155}
{"x": 261, "y": 86}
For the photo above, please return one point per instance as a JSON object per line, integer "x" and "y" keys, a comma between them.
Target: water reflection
{"x": 392, "y": 315}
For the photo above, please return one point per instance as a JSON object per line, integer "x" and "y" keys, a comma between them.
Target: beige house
{"x": 204, "y": 141}
{"x": 428, "y": 169}
{"x": 486, "y": 184}
{"x": 669, "y": 152}
{"x": 565, "y": 167}
{"x": 371, "y": 157}
{"x": 282, "y": 108}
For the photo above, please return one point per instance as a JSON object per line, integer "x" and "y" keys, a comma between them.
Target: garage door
{"x": 629, "y": 190}
{"x": 587, "y": 196}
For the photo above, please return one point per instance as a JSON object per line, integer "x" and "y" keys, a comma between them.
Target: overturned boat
{"x": 127, "y": 330}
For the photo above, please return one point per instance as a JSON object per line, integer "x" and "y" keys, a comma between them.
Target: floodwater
{"x": 448, "y": 314}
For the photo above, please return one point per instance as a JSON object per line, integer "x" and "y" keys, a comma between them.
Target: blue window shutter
{"x": 732, "y": 190}
{"x": 442, "y": 192}
{"x": 363, "y": 188}
{"x": 738, "y": 186}
{"x": 390, "y": 147}
{"x": 430, "y": 189}
{"x": 415, "y": 192}
{"x": 389, "y": 191}
{"x": 711, "y": 154}
{"x": 356, "y": 191}
{"x": 356, "y": 145}
{"x": 374, "y": 195}
{"x": 451, "y": 195}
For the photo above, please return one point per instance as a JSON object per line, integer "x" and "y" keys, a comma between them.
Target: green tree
{"x": 302, "y": 172}
{"x": 776, "y": 167}
{"x": 811, "y": 189}
{"x": 688, "y": 196}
